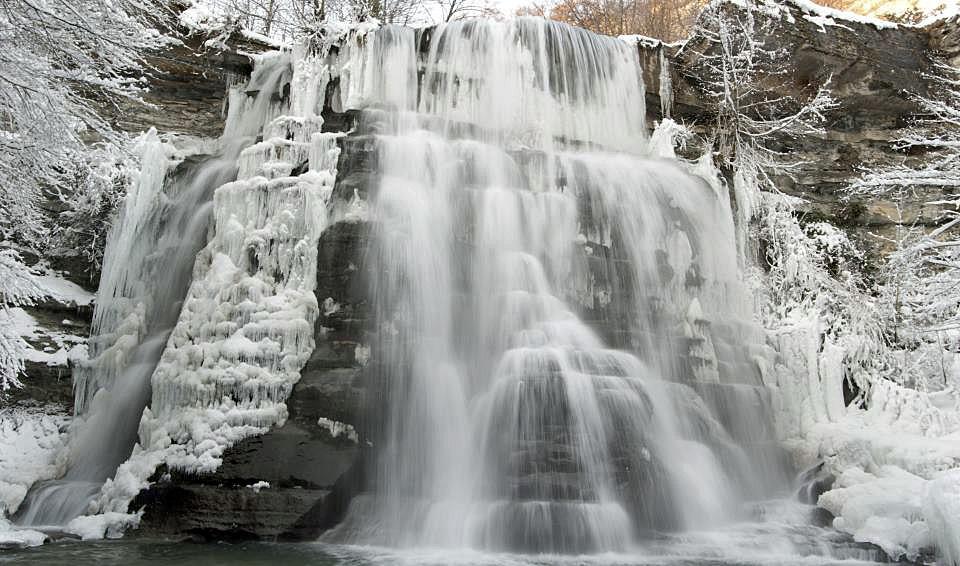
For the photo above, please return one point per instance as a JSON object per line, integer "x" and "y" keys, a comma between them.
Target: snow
{"x": 69, "y": 347}
{"x": 260, "y": 38}
{"x": 31, "y": 439}
{"x": 948, "y": 11}
{"x": 104, "y": 525}
{"x": 199, "y": 17}
{"x": 61, "y": 357}
{"x": 824, "y": 16}
{"x": 62, "y": 291}
{"x": 338, "y": 429}
{"x": 647, "y": 41}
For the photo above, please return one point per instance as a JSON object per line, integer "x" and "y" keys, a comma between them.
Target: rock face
{"x": 49, "y": 382}
{"x": 871, "y": 71}
{"x": 313, "y": 463}
{"x": 187, "y": 87}
{"x": 321, "y": 441}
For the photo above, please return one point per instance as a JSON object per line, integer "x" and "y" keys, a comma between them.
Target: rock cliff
{"x": 871, "y": 70}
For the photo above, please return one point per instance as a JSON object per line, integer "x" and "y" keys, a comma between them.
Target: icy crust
{"x": 32, "y": 449}
{"x": 119, "y": 320}
{"x": 897, "y": 463}
{"x": 891, "y": 460}
{"x": 246, "y": 328}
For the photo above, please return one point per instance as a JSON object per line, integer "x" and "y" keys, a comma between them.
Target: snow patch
{"x": 104, "y": 525}
{"x": 14, "y": 536}
{"x": 824, "y": 16}
{"x": 31, "y": 443}
{"x": 63, "y": 291}
{"x": 338, "y": 429}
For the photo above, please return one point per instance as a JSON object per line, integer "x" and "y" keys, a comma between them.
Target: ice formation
{"x": 30, "y": 442}
{"x": 666, "y": 83}
{"x": 246, "y": 326}
{"x": 249, "y": 306}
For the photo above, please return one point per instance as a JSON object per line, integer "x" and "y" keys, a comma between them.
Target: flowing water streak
{"x": 513, "y": 202}
{"x": 148, "y": 266}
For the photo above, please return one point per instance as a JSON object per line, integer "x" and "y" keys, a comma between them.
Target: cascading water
{"x": 517, "y": 198}
{"x": 561, "y": 340}
{"x": 149, "y": 262}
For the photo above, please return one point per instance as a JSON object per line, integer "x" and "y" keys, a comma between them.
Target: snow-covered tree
{"x": 736, "y": 70}
{"x": 807, "y": 277}
{"x": 90, "y": 199}
{"x": 17, "y": 288}
{"x": 60, "y": 62}
{"x": 920, "y": 280}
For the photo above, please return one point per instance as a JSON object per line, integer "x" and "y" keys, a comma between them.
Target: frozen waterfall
{"x": 149, "y": 264}
{"x": 561, "y": 341}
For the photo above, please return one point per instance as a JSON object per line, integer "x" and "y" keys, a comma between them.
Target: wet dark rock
{"x": 187, "y": 87}
{"x": 219, "y": 511}
{"x": 311, "y": 466}
{"x": 815, "y": 482}
{"x": 45, "y": 382}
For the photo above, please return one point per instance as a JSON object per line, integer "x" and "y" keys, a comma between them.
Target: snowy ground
{"x": 53, "y": 347}
{"x": 31, "y": 439}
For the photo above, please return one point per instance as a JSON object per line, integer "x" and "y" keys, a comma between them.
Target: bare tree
{"x": 536, "y": 9}
{"x": 736, "y": 69}
{"x": 664, "y": 19}
{"x": 461, "y": 9}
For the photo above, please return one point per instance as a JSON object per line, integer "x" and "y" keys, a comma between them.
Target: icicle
{"x": 666, "y": 86}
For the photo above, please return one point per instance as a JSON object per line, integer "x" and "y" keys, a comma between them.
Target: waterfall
{"x": 563, "y": 340}
{"x": 148, "y": 267}
{"x": 562, "y": 346}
